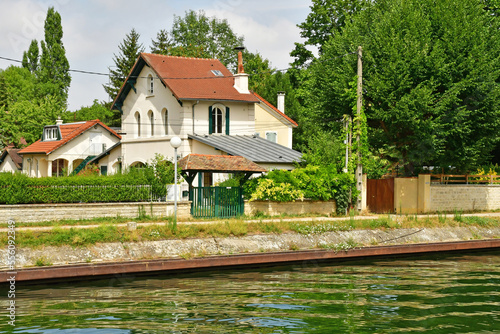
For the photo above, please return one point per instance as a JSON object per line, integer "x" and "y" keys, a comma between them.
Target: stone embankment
{"x": 259, "y": 244}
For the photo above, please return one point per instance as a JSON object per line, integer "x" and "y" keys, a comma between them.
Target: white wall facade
{"x": 8, "y": 165}
{"x": 142, "y": 140}
{"x": 73, "y": 152}
{"x": 266, "y": 122}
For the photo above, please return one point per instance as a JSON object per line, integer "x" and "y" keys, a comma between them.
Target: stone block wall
{"x": 465, "y": 197}
{"x": 294, "y": 208}
{"x": 52, "y": 212}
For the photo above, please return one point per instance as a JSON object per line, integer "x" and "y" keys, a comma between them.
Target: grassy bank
{"x": 107, "y": 231}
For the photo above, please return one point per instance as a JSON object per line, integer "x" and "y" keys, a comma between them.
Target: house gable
{"x": 65, "y": 134}
{"x": 186, "y": 78}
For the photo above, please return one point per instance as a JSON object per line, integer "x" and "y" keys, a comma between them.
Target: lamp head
{"x": 175, "y": 142}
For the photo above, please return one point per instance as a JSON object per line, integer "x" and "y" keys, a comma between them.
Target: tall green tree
{"x": 430, "y": 81}
{"x": 31, "y": 57}
{"x": 23, "y": 113}
{"x": 98, "y": 110}
{"x": 196, "y": 35}
{"x": 162, "y": 44}
{"x": 130, "y": 48}
{"x": 53, "y": 72}
{"x": 26, "y": 119}
{"x": 17, "y": 84}
{"x": 326, "y": 19}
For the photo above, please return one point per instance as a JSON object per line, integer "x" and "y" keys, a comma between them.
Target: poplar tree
{"x": 30, "y": 57}
{"x": 53, "y": 73}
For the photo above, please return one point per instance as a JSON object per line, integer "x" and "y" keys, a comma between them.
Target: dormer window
{"x": 151, "y": 82}
{"x": 51, "y": 133}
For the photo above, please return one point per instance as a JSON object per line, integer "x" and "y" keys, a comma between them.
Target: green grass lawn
{"x": 108, "y": 231}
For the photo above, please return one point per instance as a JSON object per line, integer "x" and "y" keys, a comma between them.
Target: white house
{"x": 10, "y": 160}
{"x": 64, "y": 148}
{"x": 203, "y": 103}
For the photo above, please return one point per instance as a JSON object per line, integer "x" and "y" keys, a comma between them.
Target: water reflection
{"x": 454, "y": 294}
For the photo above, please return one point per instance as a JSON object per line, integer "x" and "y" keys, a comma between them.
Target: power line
{"x": 185, "y": 78}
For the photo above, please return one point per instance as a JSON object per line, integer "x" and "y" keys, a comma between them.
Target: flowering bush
{"x": 281, "y": 192}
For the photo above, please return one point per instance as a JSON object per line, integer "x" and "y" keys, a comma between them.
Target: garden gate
{"x": 380, "y": 195}
{"x": 216, "y": 202}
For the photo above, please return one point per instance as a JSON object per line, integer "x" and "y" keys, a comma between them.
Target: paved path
{"x": 267, "y": 220}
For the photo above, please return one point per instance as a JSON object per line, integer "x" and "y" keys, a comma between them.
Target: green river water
{"x": 457, "y": 293}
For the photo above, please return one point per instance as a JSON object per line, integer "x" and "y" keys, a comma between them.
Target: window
{"x": 138, "y": 121}
{"x": 51, "y": 133}
{"x": 218, "y": 120}
{"x": 151, "y": 82}
{"x": 152, "y": 123}
{"x": 165, "y": 121}
{"x": 271, "y": 136}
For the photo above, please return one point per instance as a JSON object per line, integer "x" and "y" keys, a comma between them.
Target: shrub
{"x": 313, "y": 182}
{"x": 21, "y": 189}
{"x": 267, "y": 189}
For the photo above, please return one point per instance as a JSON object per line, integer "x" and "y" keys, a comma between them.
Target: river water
{"x": 434, "y": 294}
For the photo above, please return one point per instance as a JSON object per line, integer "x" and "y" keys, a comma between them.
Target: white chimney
{"x": 59, "y": 121}
{"x": 241, "y": 78}
{"x": 281, "y": 102}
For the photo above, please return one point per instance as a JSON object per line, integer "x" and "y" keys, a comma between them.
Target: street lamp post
{"x": 175, "y": 142}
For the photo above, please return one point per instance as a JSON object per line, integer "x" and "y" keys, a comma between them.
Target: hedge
{"x": 21, "y": 189}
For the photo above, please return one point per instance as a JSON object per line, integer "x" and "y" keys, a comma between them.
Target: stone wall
{"x": 292, "y": 208}
{"x": 464, "y": 197}
{"x": 53, "y": 212}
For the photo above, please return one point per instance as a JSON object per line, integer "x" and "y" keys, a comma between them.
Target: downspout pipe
{"x": 192, "y": 113}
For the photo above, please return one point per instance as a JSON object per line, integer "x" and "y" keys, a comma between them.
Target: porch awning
{"x": 193, "y": 163}
{"x": 218, "y": 164}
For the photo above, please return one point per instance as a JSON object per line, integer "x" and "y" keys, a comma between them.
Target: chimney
{"x": 281, "y": 102}
{"x": 240, "y": 63}
{"x": 241, "y": 78}
{"x": 59, "y": 121}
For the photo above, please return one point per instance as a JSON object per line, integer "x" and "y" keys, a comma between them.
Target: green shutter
{"x": 210, "y": 119}
{"x": 227, "y": 121}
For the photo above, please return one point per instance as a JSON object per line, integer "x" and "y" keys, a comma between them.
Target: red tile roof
{"x": 281, "y": 114}
{"x": 219, "y": 163}
{"x": 68, "y": 132}
{"x": 192, "y": 78}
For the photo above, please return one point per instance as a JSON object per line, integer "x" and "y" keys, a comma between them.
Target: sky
{"x": 93, "y": 30}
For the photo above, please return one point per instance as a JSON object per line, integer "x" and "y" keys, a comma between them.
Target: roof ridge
{"x": 178, "y": 57}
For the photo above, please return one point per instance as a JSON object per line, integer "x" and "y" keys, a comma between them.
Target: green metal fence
{"x": 216, "y": 202}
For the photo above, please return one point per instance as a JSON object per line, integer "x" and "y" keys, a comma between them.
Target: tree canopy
{"x": 35, "y": 94}
{"x": 430, "y": 81}
{"x": 197, "y": 35}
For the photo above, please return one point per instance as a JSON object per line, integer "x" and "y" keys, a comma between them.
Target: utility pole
{"x": 359, "y": 104}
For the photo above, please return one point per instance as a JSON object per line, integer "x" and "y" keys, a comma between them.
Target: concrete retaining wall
{"x": 465, "y": 197}
{"x": 294, "y": 208}
{"x": 53, "y": 212}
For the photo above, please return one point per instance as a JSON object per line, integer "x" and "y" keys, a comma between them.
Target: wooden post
{"x": 359, "y": 104}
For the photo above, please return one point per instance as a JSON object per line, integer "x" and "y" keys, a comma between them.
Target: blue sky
{"x": 94, "y": 28}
